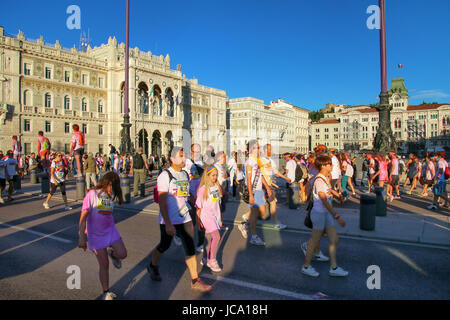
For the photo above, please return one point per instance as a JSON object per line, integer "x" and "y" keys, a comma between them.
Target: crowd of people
{"x": 193, "y": 189}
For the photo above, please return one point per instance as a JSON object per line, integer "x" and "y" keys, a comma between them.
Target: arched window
{"x": 84, "y": 104}
{"x": 66, "y": 102}
{"x": 48, "y": 100}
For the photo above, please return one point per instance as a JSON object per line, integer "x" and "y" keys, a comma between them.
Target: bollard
{"x": 33, "y": 177}
{"x": 81, "y": 187}
{"x": 125, "y": 185}
{"x": 142, "y": 189}
{"x": 367, "y": 212}
{"x": 17, "y": 182}
{"x": 45, "y": 183}
{"x": 381, "y": 204}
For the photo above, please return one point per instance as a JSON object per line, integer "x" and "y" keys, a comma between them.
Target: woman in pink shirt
{"x": 209, "y": 196}
{"x": 383, "y": 170}
{"x": 97, "y": 223}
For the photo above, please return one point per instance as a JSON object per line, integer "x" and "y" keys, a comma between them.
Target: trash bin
{"x": 381, "y": 204}
{"x": 45, "y": 183}
{"x": 367, "y": 212}
{"x": 81, "y": 187}
{"x": 33, "y": 177}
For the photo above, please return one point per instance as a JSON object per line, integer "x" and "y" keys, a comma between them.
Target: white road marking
{"x": 42, "y": 235}
{"x": 259, "y": 287}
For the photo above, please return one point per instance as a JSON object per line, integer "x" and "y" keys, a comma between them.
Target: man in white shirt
{"x": 2, "y": 177}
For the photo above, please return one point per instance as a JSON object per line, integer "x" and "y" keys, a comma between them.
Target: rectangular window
{"x": 100, "y": 129}
{"x": 67, "y": 76}
{"x": 66, "y": 127}
{"x": 26, "y": 125}
{"x": 84, "y": 79}
{"x": 48, "y": 73}
{"x": 48, "y": 126}
{"x": 84, "y": 126}
{"x": 100, "y": 107}
{"x": 27, "y": 69}
{"x": 27, "y": 148}
{"x": 101, "y": 82}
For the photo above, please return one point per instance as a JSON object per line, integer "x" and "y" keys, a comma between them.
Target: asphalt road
{"x": 33, "y": 264}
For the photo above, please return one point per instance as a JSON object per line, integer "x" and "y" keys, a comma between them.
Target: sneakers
{"x": 321, "y": 257}
{"x": 116, "y": 262}
{"x": 280, "y": 226}
{"x": 310, "y": 271}
{"x": 397, "y": 197}
{"x": 199, "y": 249}
{"x": 46, "y": 206}
{"x": 409, "y": 192}
{"x": 243, "y": 230}
{"x": 2, "y": 201}
{"x": 257, "y": 241}
{"x": 214, "y": 266}
{"x": 339, "y": 272}
{"x": 432, "y": 207}
{"x": 318, "y": 257}
{"x": 154, "y": 272}
{"x": 177, "y": 241}
{"x": 200, "y": 286}
{"x": 68, "y": 208}
{"x": 108, "y": 296}
{"x": 203, "y": 261}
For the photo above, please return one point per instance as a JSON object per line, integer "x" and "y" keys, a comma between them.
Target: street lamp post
{"x": 125, "y": 145}
{"x": 384, "y": 140}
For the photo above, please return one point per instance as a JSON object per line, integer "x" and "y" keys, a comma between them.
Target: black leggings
{"x": 185, "y": 232}
{"x": 201, "y": 232}
{"x": 62, "y": 187}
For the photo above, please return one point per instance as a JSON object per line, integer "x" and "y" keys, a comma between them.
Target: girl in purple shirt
{"x": 97, "y": 223}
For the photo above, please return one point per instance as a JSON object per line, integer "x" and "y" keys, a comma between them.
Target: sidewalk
{"x": 425, "y": 227}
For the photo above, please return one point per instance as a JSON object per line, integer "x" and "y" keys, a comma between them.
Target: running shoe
{"x": 338, "y": 272}
{"x": 177, "y": 241}
{"x": 321, "y": 257}
{"x": 409, "y": 192}
{"x": 199, "y": 249}
{"x": 280, "y": 226}
{"x": 214, "y": 266}
{"x": 68, "y": 208}
{"x": 2, "y": 201}
{"x": 108, "y": 296}
{"x": 154, "y": 272}
{"x": 257, "y": 241}
{"x": 397, "y": 197}
{"x": 432, "y": 207}
{"x": 200, "y": 286}
{"x": 243, "y": 230}
{"x": 203, "y": 261}
{"x": 116, "y": 262}
{"x": 46, "y": 206}
{"x": 310, "y": 271}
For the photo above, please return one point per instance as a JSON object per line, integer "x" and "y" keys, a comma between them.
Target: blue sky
{"x": 307, "y": 52}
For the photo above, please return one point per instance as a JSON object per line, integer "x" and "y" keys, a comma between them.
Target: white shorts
{"x": 322, "y": 220}
{"x": 260, "y": 199}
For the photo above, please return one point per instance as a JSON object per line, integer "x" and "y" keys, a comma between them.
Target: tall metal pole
{"x": 384, "y": 140}
{"x": 125, "y": 145}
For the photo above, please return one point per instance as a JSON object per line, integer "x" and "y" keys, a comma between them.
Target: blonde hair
{"x": 207, "y": 183}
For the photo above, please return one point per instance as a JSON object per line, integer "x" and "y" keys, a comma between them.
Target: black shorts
{"x": 185, "y": 232}
{"x": 79, "y": 152}
{"x": 62, "y": 187}
{"x": 2, "y": 183}
{"x": 394, "y": 180}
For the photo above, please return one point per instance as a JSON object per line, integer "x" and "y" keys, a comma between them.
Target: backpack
{"x": 300, "y": 172}
{"x": 171, "y": 177}
{"x": 45, "y": 144}
{"x": 138, "y": 161}
{"x": 245, "y": 194}
{"x": 199, "y": 169}
{"x": 446, "y": 173}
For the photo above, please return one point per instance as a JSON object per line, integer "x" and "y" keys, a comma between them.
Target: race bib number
{"x": 214, "y": 196}
{"x": 184, "y": 210}
{"x": 182, "y": 188}
{"x": 105, "y": 205}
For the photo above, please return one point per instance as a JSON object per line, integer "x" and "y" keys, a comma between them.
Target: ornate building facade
{"x": 50, "y": 88}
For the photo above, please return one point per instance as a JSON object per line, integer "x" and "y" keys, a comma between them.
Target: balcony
{"x": 103, "y": 116}
{"x": 68, "y": 112}
{"x": 48, "y": 111}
